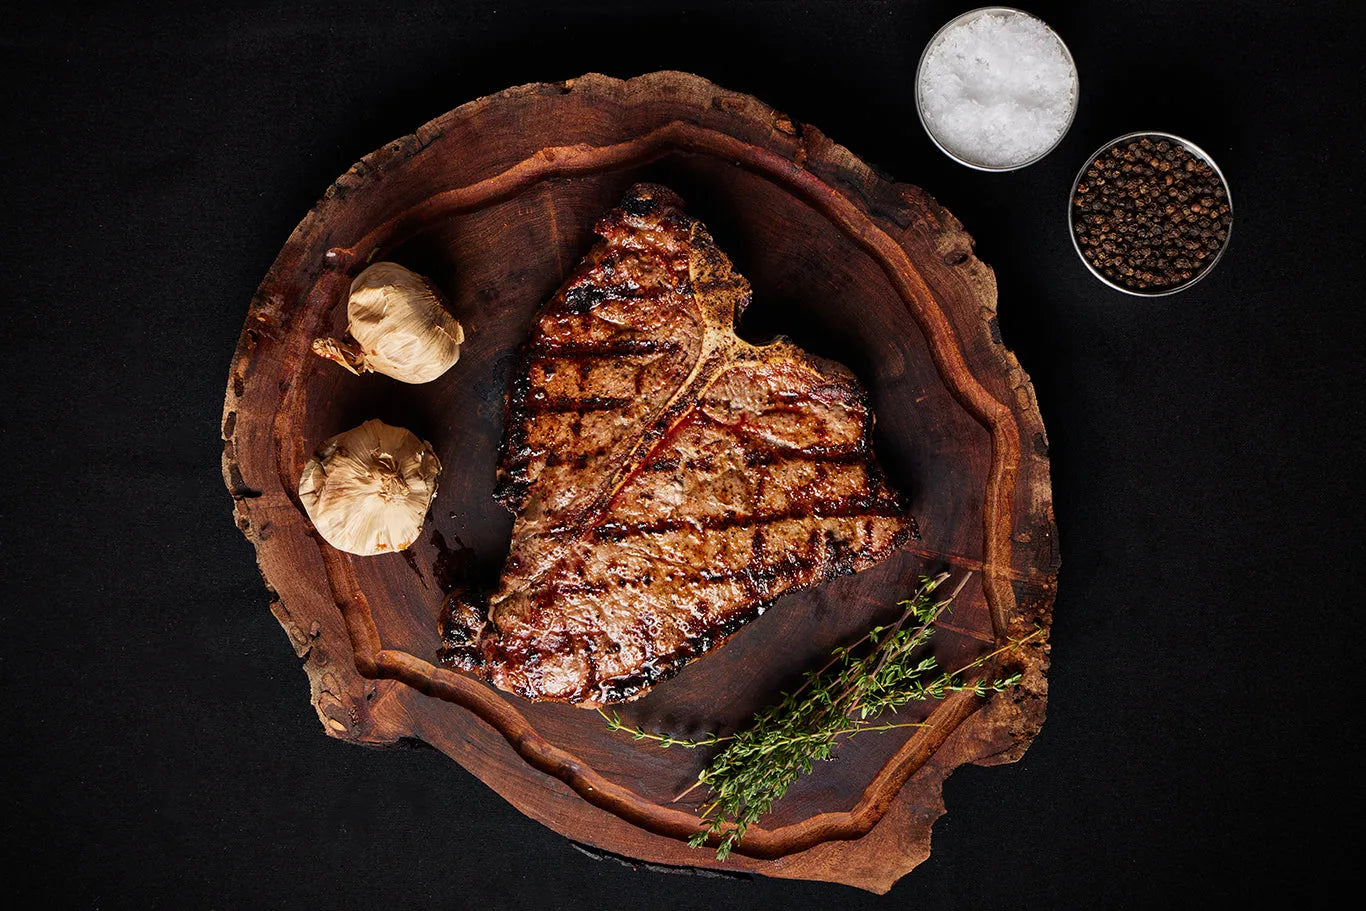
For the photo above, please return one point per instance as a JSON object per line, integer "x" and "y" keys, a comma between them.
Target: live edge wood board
{"x": 495, "y": 201}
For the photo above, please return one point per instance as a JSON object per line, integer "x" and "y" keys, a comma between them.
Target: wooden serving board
{"x": 496, "y": 201}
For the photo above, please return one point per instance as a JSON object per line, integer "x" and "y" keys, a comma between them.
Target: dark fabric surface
{"x": 1202, "y": 739}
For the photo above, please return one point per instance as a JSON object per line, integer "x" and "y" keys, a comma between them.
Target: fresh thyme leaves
{"x": 880, "y": 673}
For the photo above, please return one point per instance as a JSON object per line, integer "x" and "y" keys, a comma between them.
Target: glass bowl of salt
{"x": 996, "y": 89}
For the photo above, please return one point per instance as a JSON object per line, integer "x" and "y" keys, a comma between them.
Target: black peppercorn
{"x": 1151, "y": 215}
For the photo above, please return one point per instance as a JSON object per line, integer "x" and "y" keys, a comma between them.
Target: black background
{"x": 1202, "y": 738}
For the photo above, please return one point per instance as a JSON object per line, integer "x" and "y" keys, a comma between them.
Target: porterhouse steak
{"x": 669, "y": 479}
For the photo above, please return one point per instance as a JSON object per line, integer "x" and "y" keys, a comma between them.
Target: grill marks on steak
{"x": 669, "y": 479}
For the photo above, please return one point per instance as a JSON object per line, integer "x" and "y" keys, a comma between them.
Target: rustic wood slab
{"x": 495, "y": 201}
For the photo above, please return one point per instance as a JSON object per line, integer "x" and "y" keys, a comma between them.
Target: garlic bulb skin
{"x": 367, "y": 490}
{"x": 400, "y": 326}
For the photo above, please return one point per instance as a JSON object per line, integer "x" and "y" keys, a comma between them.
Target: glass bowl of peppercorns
{"x": 1150, "y": 214}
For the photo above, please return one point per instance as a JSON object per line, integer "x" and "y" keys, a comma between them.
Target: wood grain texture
{"x": 495, "y": 202}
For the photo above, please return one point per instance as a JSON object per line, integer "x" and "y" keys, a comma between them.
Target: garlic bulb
{"x": 368, "y": 490}
{"x": 400, "y": 326}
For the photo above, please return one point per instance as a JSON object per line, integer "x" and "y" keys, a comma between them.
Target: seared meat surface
{"x": 669, "y": 479}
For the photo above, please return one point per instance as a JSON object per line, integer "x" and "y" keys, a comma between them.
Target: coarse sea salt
{"x": 997, "y": 89}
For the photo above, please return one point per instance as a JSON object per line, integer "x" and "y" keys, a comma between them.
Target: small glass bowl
{"x": 959, "y": 20}
{"x": 1194, "y": 150}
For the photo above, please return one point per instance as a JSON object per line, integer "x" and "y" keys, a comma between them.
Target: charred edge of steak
{"x": 713, "y": 273}
{"x": 462, "y": 624}
{"x": 646, "y": 198}
{"x": 511, "y": 484}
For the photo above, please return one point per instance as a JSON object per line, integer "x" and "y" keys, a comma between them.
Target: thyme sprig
{"x": 882, "y": 672}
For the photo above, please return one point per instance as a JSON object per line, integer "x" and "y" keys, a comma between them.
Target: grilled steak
{"x": 669, "y": 479}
